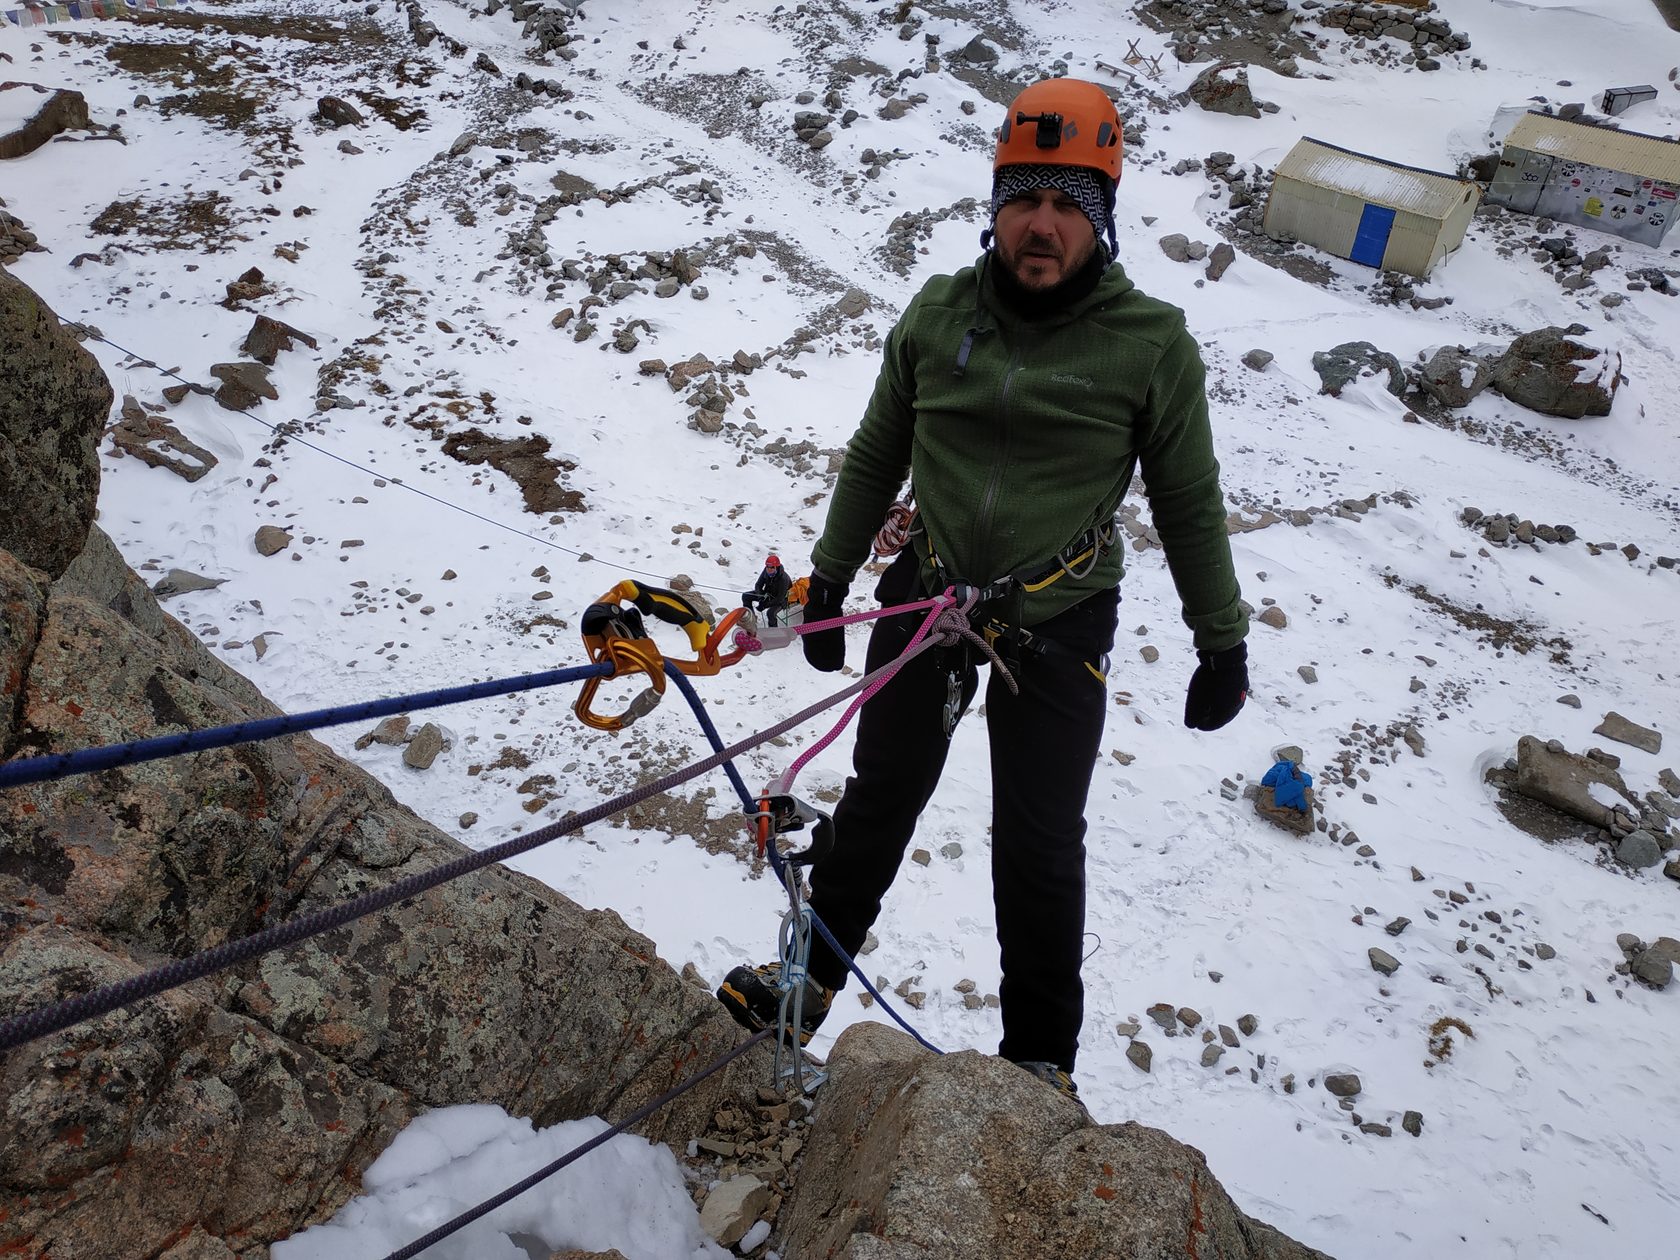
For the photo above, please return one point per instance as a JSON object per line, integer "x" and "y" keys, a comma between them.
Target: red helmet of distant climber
{"x": 772, "y": 561}
{"x": 1061, "y": 122}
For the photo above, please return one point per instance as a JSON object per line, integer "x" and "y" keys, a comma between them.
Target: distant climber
{"x": 769, "y": 594}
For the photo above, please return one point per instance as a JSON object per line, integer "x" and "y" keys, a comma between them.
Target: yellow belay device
{"x": 613, "y": 631}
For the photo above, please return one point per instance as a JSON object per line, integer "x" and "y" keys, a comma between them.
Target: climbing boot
{"x": 753, "y": 995}
{"x": 1056, "y": 1078}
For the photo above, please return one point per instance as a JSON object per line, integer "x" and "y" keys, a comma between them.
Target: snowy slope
{"x": 1550, "y": 1133}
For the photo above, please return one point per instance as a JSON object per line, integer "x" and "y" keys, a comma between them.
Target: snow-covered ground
{"x": 1551, "y": 1132}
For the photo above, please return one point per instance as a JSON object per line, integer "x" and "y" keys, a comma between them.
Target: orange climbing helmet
{"x": 1061, "y": 122}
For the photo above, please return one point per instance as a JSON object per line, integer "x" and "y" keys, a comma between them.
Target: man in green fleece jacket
{"x": 1020, "y": 395}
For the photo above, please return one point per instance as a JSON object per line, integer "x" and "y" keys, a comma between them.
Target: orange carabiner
{"x": 628, "y": 656}
{"x": 707, "y": 660}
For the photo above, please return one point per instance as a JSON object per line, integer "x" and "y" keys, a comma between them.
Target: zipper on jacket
{"x": 988, "y": 501}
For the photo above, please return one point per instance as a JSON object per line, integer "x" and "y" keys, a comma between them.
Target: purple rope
{"x": 54, "y": 1017}
{"x": 941, "y": 605}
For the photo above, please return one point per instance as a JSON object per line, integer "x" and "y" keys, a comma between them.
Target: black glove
{"x": 824, "y": 598}
{"x": 1217, "y": 688}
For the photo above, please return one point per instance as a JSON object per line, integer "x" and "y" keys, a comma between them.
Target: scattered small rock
{"x": 1616, "y": 727}
{"x": 270, "y": 539}
{"x": 424, "y": 748}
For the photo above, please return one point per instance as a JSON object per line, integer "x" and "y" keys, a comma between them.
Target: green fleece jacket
{"x": 1020, "y": 435}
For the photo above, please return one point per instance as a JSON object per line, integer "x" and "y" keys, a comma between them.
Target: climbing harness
{"x": 617, "y": 635}
{"x": 1077, "y": 559}
{"x": 777, "y": 815}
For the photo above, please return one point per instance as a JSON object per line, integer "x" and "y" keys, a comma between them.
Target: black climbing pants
{"x": 1044, "y": 745}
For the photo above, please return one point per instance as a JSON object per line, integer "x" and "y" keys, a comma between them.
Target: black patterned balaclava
{"x": 1089, "y": 189}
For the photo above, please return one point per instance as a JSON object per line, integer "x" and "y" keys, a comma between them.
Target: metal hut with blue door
{"x": 1380, "y": 213}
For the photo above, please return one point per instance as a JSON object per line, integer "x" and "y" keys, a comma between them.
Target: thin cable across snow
{"x": 281, "y": 431}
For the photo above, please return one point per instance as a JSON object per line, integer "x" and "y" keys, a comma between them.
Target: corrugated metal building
{"x": 1382, "y": 214}
{"x": 1622, "y": 182}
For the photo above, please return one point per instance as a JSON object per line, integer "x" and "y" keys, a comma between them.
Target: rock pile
{"x": 1260, "y": 30}
{"x": 542, "y": 87}
{"x": 1428, "y": 34}
{"x": 1590, "y": 789}
{"x": 1548, "y": 371}
{"x": 16, "y": 239}
{"x": 906, "y": 232}
{"x": 746, "y": 1157}
{"x": 812, "y": 128}
{"x": 425, "y": 33}
{"x": 1505, "y": 529}
{"x": 545, "y": 23}
{"x": 1651, "y": 964}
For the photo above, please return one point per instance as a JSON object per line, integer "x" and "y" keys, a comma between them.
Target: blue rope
{"x": 750, "y": 804}
{"x": 88, "y": 760}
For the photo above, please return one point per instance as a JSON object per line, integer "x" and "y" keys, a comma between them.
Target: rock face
{"x": 307, "y": 1060}
{"x": 1453, "y": 376}
{"x": 1550, "y": 372}
{"x": 54, "y": 400}
{"x": 1223, "y": 89}
{"x": 218, "y": 1117}
{"x": 1616, "y": 727}
{"x": 1564, "y": 781}
{"x": 243, "y": 385}
{"x": 153, "y": 440}
{"x": 58, "y": 111}
{"x": 1342, "y": 364}
{"x": 967, "y": 1157}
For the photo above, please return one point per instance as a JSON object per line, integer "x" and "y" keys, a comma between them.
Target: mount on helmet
{"x": 1061, "y": 122}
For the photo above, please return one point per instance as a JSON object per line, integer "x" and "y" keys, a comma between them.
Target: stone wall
{"x": 1426, "y": 32}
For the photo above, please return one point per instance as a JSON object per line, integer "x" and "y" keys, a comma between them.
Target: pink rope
{"x": 940, "y": 605}
{"x": 852, "y": 619}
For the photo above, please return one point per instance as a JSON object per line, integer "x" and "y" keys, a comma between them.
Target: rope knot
{"x": 952, "y": 626}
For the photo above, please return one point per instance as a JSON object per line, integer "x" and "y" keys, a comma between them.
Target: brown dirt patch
{"x": 198, "y": 222}
{"x": 674, "y": 815}
{"x": 183, "y": 65}
{"x": 303, "y": 29}
{"x": 526, "y": 460}
{"x": 399, "y": 114}
{"x": 1500, "y": 632}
